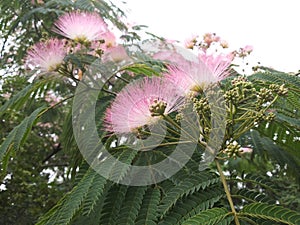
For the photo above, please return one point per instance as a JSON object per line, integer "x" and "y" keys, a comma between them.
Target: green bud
{"x": 158, "y": 108}
{"x": 233, "y": 150}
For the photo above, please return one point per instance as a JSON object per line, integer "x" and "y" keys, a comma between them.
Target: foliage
{"x": 39, "y": 138}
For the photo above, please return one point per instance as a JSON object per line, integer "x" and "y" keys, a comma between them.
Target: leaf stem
{"x": 228, "y": 195}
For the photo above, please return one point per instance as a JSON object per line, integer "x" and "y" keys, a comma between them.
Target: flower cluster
{"x": 84, "y": 33}
{"x": 81, "y": 27}
{"x": 47, "y": 55}
{"x": 212, "y": 44}
{"x": 142, "y": 103}
{"x": 206, "y": 42}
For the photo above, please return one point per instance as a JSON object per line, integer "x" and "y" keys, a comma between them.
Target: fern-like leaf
{"x": 193, "y": 204}
{"x": 254, "y": 196}
{"x": 210, "y": 217}
{"x": 148, "y": 212}
{"x": 262, "y": 145}
{"x": 18, "y": 135}
{"x": 26, "y": 94}
{"x": 112, "y": 204}
{"x": 93, "y": 194}
{"x": 271, "y": 212}
{"x": 131, "y": 205}
{"x": 187, "y": 186}
{"x": 65, "y": 210}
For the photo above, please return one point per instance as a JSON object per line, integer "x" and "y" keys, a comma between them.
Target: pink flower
{"x": 109, "y": 40}
{"x": 248, "y": 49}
{"x": 195, "y": 76}
{"x": 217, "y": 64}
{"x": 47, "y": 56}
{"x": 208, "y": 38}
{"x": 33, "y": 2}
{"x": 246, "y": 150}
{"x": 82, "y": 27}
{"x": 183, "y": 78}
{"x": 190, "y": 42}
{"x": 115, "y": 54}
{"x": 142, "y": 103}
{"x": 224, "y": 44}
{"x": 170, "y": 56}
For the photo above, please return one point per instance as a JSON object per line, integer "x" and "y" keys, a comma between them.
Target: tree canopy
{"x": 103, "y": 122}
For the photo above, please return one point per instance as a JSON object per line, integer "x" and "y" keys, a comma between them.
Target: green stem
{"x": 53, "y": 106}
{"x": 228, "y": 195}
{"x": 170, "y": 120}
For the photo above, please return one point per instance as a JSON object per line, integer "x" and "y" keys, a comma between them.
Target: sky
{"x": 270, "y": 26}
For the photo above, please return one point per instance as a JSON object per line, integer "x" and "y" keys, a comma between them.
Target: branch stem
{"x": 228, "y": 195}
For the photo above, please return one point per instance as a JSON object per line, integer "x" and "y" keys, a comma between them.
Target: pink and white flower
{"x": 109, "y": 40}
{"x": 218, "y": 65}
{"x": 194, "y": 76}
{"x": 47, "y": 55}
{"x": 246, "y": 150}
{"x": 191, "y": 77}
{"x": 190, "y": 42}
{"x": 248, "y": 48}
{"x": 115, "y": 54}
{"x": 142, "y": 103}
{"x": 81, "y": 26}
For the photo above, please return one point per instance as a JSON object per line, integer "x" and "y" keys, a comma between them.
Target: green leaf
{"x": 193, "y": 204}
{"x": 271, "y": 212}
{"x": 112, "y": 204}
{"x": 18, "y": 135}
{"x": 276, "y": 77}
{"x": 22, "y": 97}
{"x": 188, "y": 185}
{"x": 131, "y": 205}
{"x": 210, "y": 217}
{"x": 254, "y": 196}
{"x": 93, "y": 194}
{"x": 284, "y": 136}
{"x": 66, "y": 208}
{"x": 143, "y": 68}
{"x": 148, "y": 212}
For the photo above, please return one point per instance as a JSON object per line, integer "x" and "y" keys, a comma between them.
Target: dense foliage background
{"x": 45, "y": 180}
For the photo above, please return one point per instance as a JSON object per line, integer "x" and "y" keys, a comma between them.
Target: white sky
{"x": 270, "y": 26}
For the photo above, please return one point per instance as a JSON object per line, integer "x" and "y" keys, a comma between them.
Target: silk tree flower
{"x": 248, "y": 48}
{"x": 243, "y": 52}
{"x": 217, "y": 64}
{"x": 81, "y": 26}
{"x": 246, "y": 150}
{"x": 183, "y": 79}
{"x": 142, "y": 103}
{"x": 190, "y": 42}
{"x": 208, "y": 38}
{"x": 109, "y": 40}
{"x": 115, "y": 54}
{"x": 188, "y": 76}
{"x": 47, "y": 55}
{"x": 192, "y": 77}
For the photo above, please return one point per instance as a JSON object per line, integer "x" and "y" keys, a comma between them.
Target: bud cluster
{"x": 201, "y": 106}
{"x": 233, "y": 150}
{"x": 241, "y": 90}
{"x": 157, "y": 108}
{"x": 248, "y": 107}
{"x": 279, "y": 89}
{"x": 265, "y": 95}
